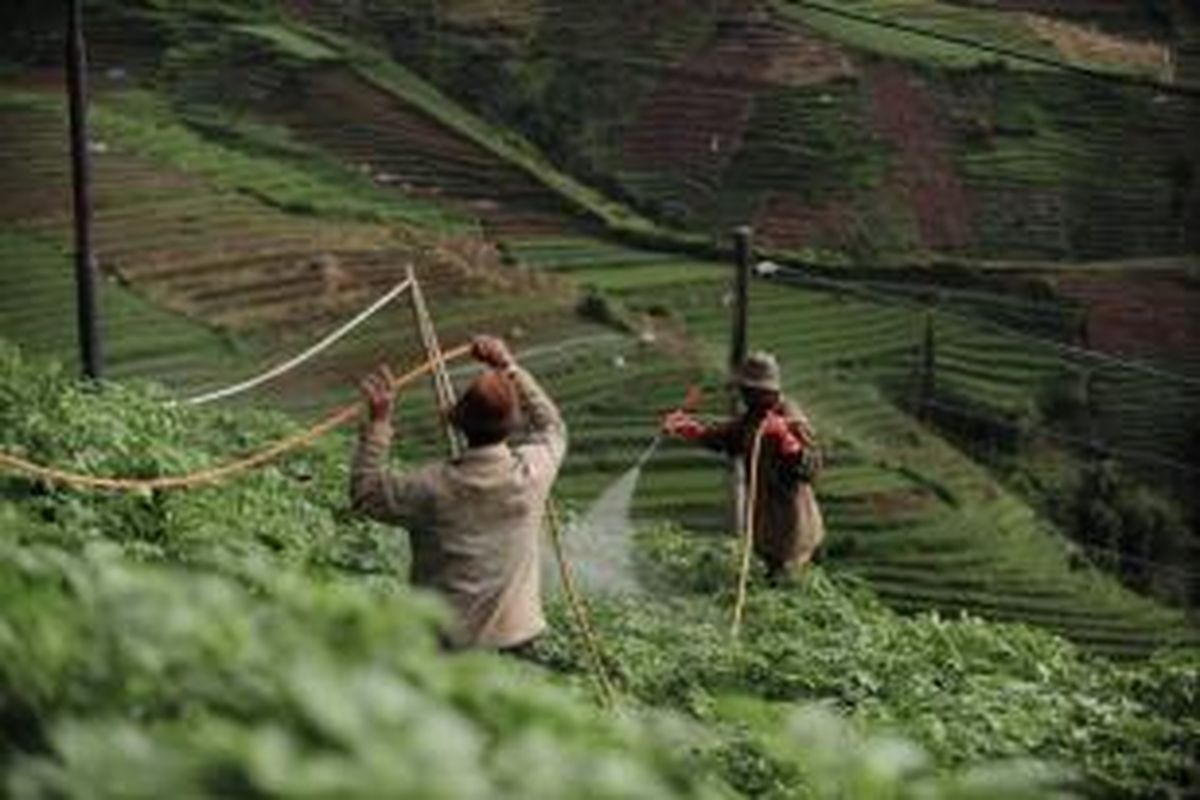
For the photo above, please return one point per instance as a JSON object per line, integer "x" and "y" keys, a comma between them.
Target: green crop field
{"x": 917, "y": 495}
{"x": 841, "y": 353}
{"x": 293, "y": 645}
{"x": 255, "y": 189}
{"x": 37, "y": 288}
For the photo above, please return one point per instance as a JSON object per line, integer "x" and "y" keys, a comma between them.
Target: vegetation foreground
{"x": 255, "y": 639}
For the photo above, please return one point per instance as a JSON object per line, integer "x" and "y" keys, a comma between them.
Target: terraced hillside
{"x": 1136, "y": 18}
{"x": 209, "y": 257}
{"x": 36, "y": 269}
{"x": 914, "y": 516}
{"x": 1006, "y": 163}
{"x": 833, "y": 133}
{"x": 885, "y": 141}
{"x": 401, "y": 146}
{"x": 924, "y": 525}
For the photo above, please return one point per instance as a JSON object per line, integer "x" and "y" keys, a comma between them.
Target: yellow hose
{"x": 336, "y": 418}
{"x": 579, "y": 612}
{"x": 218, "y": 473}
{"x": 748, "y": 530}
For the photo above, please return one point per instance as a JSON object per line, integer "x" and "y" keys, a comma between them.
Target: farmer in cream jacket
{"x": 474, "y": 521}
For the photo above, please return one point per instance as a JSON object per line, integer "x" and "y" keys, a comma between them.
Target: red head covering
{"x": 487, "y": 413}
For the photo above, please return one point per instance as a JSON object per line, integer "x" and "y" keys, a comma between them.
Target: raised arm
{"x": 546, "y": 426}
{"x": 720, "y": 436}
{"x": 375, "y": 490}
{"x": 546, "y": 440}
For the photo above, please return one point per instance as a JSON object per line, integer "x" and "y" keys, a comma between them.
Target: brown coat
{"x": 788, "y": 524}
{"x": 475, "y": 521}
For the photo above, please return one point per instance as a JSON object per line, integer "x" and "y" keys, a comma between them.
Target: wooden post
{"x": 742, "y": 253}
{"x": 91, "y": 354}
{"x": 443, "y": 389}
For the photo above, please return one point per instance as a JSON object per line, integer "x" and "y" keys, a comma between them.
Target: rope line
{"x": 579, "y": 611}
{"x": 443, "y": 389}
{"x": 748, "y": 530}
{"x": 575, "y": 603}
{"x": 316, "y": 349}
{"x": 214, "y": 474}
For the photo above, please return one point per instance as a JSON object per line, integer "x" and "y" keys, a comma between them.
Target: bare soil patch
{"x": 902, "y": 503}
{"x": 789, "y": 221}
{"x": 1138, "y": 315}
{"x": 694, "y": 120}
{"x": 924, "y": 176}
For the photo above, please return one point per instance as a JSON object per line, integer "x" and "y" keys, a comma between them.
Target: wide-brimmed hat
{"x": 760, "y": 370}
{"x": 489, "y": 407}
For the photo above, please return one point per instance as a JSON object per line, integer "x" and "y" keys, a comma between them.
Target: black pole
{"x": 742, "y": 247}
{"x": 85, "y": 261}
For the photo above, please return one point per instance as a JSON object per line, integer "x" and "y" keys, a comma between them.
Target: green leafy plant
{"x": 253, "y": 639}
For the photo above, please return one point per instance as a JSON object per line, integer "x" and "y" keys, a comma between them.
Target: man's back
{"x": 475, "y": 521}
{"x": 478, "y": 542}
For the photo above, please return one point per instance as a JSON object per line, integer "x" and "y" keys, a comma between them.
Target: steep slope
{"x": 887, "y": 472}
{"x": 834, "y": 133}
{"x": 925, "y": 526}
{"x": 249, "y": 254}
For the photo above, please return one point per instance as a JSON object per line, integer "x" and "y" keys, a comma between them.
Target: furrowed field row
{"x": 987, "y": 583}
{"x": 638, "y": 277}
{"x": 1008, "y": 398}
{"x": 843, "y": 344}
{"x": 1012, "y": 379}
{"x": 1061, "y": 617}
{"x": 797, "y": 328}
{"x": 1062, "y": 609}
{"x": 584, "y": 254}
{"x": 818, "y": 315}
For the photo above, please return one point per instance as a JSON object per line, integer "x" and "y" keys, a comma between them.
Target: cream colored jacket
{"x": 475, "y": 522}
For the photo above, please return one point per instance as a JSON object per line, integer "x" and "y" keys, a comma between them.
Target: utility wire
{"x": 1000, "y": 50}
{"x": 794, "y": 275}
{"x": 1101, "y": 446}
{"x": 971, "y": 295}
{"x": 747, "y": 78}
{"x": 1159, "y": 566}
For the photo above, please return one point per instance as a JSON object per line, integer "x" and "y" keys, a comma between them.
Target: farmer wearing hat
{"x": 787, "y": 527}
{"x": 475, "y": 520}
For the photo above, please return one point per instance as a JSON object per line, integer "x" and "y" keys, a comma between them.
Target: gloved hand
{"x": 682, "y": 425}
{"x": 776, "y": 426}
